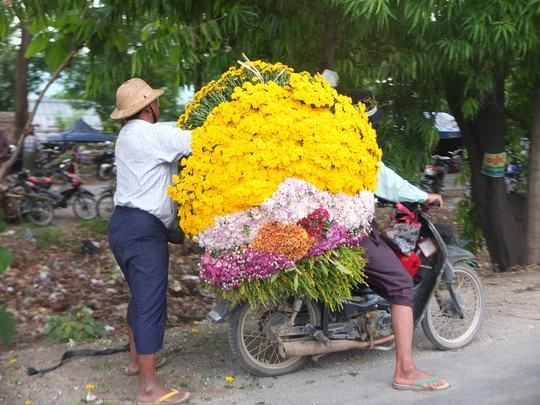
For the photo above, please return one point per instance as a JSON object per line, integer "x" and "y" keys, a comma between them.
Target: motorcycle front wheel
{"x": 442, "y": 325}
{"x": 253, "y": 343}
{"x": 84, "y": 206}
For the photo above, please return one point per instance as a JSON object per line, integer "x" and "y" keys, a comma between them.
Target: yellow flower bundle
{"x": 260, "y": 124}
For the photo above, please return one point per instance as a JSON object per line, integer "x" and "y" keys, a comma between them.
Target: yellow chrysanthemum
{"x": 266, "y": 132}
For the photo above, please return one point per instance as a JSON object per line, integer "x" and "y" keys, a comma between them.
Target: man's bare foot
{"x": 163, "y": 395}
{"x": 415, "y": 379}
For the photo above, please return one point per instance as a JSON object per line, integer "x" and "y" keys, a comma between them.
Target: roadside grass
{"x": 95, "y": 225}
{"x": 51, "y": 237}
{"x": 47, "y": 237}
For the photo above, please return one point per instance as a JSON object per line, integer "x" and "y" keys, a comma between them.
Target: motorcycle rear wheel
{"x": 253, "y": 344}
{"x": 105, "y": 206}
{"x": 39, "y": 212}
{"x": 84, "y": 206}
{"x": 441, "y": 324}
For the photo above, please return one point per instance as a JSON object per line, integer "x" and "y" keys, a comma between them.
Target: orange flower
{"x": 290, "y": 240}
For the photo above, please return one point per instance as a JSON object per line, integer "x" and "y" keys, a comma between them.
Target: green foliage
{"x": 469, "y": 225}
{"x": 95, "y": 225}
{"x": 7, "y": 326}
{"x": 7, "y": 322}
{"x": 77, "y": 324}
{"x": 5, "y": 259}
{"x": 329, "y": 278}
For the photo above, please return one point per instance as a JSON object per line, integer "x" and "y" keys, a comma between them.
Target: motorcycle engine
{"x": 373, "y": 325}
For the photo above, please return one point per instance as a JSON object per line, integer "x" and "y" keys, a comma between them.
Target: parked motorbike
{"x": 24, "y": 198}
{"x": 433, "y": 177}
{"x": 274, "y": 339}
{"x": 432, "y": 180}
{"x": 105, "y": 165}
{"x": 82, "y": 200}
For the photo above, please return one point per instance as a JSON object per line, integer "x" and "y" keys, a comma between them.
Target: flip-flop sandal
{"x": 161, "y": 361}
{"x": 420, "y": 385}
{"x": 184, "y": 397}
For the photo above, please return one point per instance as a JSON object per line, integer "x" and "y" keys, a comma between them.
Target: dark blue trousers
{"x": 138, "y": 241}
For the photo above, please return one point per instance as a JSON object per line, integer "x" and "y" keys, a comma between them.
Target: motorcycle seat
{"x": 363, "y": 290}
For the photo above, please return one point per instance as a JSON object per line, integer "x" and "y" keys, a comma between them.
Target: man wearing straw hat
{"x": 139, "y": 228}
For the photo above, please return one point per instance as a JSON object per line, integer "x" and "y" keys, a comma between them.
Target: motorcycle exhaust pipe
{"x": 314, "y": 347}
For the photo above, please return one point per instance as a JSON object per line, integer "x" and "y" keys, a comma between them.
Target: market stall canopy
{"x": 81, "y": 132}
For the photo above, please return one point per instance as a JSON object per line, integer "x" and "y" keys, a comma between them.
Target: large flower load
{"x": 278, "y": 189}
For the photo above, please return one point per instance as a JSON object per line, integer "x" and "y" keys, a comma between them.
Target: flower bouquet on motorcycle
{"x": 278, "y": 191}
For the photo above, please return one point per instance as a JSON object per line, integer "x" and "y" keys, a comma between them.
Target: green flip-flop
{"x": 420, "y": 385}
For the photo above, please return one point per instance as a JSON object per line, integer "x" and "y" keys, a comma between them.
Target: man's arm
{"x": 173, "y": 143}
{"x": 393, "y": 187}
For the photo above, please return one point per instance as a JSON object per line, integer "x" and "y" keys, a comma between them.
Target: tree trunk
{"x": 501, "y": 215}
{"x": 6, "y": 165}
{"x": 21, "y": 83}
{"x": 533, "y": 193}
{"x": 330, "y": 39}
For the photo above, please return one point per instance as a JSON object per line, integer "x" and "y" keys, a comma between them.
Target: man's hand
{"x": 432, "y": 197}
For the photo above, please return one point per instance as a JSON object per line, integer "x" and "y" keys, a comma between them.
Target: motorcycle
{"x": 82, "y": 200}
{"x": 24, "y": 198}
{"x": 105, "y": 165}
{"x": 432, "y": 180}
{"x": 448, "y": 302}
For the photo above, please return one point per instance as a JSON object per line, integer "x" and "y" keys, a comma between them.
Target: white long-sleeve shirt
{"x": 393, "y": 187}
{"x": 146, "y": 159}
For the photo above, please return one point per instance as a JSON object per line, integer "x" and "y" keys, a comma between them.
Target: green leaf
{"x": 7, "y": 326}
{"x": 274, "y": 277}
{"x": 55, "y": 54}
{"x": 296, "y": 282}
{"x": 38, "y": 44}
{"x": 5, "y": 259}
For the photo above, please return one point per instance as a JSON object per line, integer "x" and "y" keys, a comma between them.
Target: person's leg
{"x": 388, "y": 278}
{"x": 144, "y": 262}
{"x": 133, "y": 366}
{"x": 406, "y": 372}
{"x": 148, "y": 282}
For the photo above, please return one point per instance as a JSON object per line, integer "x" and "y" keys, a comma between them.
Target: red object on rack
{"x": 410, "y": 262}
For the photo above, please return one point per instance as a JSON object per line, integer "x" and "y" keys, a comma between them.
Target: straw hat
{"x": 132, "y": 96}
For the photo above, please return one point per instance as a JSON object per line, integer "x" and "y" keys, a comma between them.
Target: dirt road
{"x": 501, "y": 366}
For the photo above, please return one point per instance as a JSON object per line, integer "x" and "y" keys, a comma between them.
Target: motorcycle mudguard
{"x": 220, "y": 311}
{"x": 456, "y": 255}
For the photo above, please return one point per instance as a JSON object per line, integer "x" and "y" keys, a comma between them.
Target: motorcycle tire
{"x": 105, "y": 206}
{"x": 40, "y": 212}
{"x": 253, "y": 345}
{"x": 441, "y": 324}
{"x": 84, "y": 206}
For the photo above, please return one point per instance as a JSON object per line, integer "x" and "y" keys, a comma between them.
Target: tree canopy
{"x": 480, "y": 60}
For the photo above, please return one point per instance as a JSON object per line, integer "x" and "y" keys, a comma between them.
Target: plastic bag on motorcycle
{"x": 404, "y": 232}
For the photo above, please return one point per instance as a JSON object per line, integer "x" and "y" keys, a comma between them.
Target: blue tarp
{"x": 81, "y": 132}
